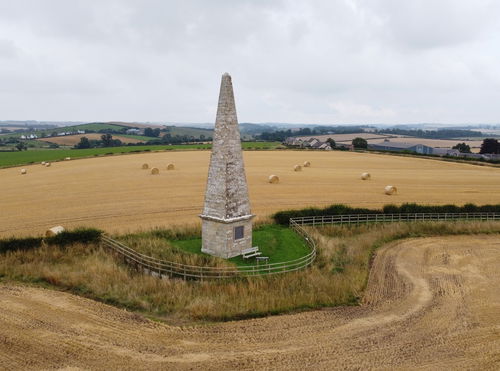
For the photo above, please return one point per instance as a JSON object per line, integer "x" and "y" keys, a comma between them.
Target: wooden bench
{"x": 251, "y": 252}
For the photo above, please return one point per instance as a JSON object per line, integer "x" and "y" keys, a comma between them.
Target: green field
{"x": 195, "y": 132}
{"x": 279, "y": 243}
{"x": 96, "y": 127}
{"x": 92, "y": 127}
{"x": 39, "y": 155}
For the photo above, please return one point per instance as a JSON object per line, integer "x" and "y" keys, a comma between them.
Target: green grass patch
{"x": 34, "y": 156}
{"x": 260, "y": 145}
{"x": 280, "y": 244}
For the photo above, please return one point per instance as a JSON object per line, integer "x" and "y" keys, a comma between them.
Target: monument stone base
{"x": 226, "y": 238}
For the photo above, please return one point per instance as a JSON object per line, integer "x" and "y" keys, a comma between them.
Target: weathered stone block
{"x": 227, "y": 205}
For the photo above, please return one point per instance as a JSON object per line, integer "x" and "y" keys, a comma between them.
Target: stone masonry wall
{"x": 218, "y": 238}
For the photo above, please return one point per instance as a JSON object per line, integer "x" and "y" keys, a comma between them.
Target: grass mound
{"x": 280, "y": 244}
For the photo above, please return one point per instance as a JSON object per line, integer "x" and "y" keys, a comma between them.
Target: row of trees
{"x": 154, "y": 133}
{"x": 462, "y": 147}
{"x": 106, "y": 141}
{"x": 490, "y": 145}
{"x": 281, "y": 135}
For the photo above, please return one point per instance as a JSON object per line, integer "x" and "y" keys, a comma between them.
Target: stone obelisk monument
{"x": 226, "y": 217}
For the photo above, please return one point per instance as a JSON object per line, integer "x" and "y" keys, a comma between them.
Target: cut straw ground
{"x": 338, "y": 276}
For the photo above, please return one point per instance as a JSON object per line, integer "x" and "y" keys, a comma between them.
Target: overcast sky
{"x": 324, "y": 62}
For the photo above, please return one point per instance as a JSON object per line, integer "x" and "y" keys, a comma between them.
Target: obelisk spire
{"x": 227, "y": 192}
{"x": 226, "y": 197}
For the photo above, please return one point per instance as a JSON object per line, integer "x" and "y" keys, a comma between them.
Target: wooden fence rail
{"x": 384, "y": 218}
{"x": 160, "y": 268}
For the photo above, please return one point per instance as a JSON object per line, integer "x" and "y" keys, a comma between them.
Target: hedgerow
{"x": 283, "y": 217}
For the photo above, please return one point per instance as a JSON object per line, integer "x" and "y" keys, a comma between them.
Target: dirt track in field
{"x": 115, "y": 194}
{"x": 432, "y": 303}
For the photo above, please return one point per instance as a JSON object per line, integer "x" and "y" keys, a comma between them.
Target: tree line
{"x": 107, "y": 140}
{"x": 281, "y": 135}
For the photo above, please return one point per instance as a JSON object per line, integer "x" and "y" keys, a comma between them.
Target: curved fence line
{"x": 160, "y": 268}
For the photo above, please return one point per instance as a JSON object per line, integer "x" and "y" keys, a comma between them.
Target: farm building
{"x": 400, "y": 147}
{"x": 387, "y": 145}
{"x": 308, "y": 143}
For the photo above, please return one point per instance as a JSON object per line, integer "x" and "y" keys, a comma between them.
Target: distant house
{"x": 133, "y": 131}
{"x": 313, "y": 142}
{"x": 387, "y": 145}
{"x": 307, "y": 143}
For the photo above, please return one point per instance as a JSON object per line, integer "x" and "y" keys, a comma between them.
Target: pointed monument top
{"x": 227, "y": 193}
{"x": 226, "y": 74}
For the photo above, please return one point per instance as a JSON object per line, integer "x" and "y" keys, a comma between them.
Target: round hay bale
{"x": 297, "y": 168}
{"x": 390, "y": 190}
{"x": 47, "y": 164}
{"x": 43, "y": 162}
{"x": 23, "y": 171}
{"x": 145, "y": 166}
{"x": 366, "y": 176}
{"x": 170, "y": 167}
{"x": 273, "y": 179}
{"x": 307, "y": 164}
{"x": 68, "y": 158}
{"x": 54, "y": 230}
{"x": 155, "y": 171}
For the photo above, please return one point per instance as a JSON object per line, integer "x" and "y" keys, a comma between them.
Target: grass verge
{"x": 338, "y": 276}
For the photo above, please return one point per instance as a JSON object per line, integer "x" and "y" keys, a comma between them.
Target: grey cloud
{"x": 292, "y": 61}
{"x": 8, "y": 49}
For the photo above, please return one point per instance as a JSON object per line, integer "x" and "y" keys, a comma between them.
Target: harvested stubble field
{"x": 347, "y": 138}
{"x": 430, "y": 303}
{"x": 115, "y": 194}
{"x": 71, "y": 140}
{"x": 379, "y": 139}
